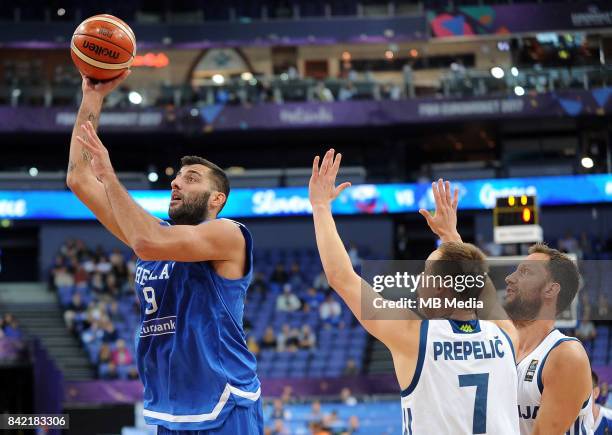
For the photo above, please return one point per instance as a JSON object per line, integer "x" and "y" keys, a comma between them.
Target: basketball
{"x": 102, "y": 47}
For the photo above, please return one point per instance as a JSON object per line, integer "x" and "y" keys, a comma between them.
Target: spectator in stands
{"x": 322, "y": 93}
{"x": 105, "y": 355}
{"x": 317, "y": 428}
{"x": 268, "y": 340}
{"x": 74, "y": 311}
{"x": 111, "y": 285}
{"x": 132, "y": 373}
{"x": 308, "y": 340}
{"x": 603, "y": 309}
{"x": 288, "y": 339}
{"x": 92, "y": 334}
{"x": 62, "y": 277}
{"x": 110, "y": 333}
{"x": 586, "y": 330}
{"x": 131, "y": 268}
{"x": 287, "y": 395}
{"x": 279, "y": 428}
{"x": 320, "y": 283}
{"x": 569, "y": 244}
{"x": 113, "y": 313}
{"x": 11, "y": 350}
{"x": 347, "y": 397}
{"x": 351, "y": 368}
{"x": 112, "y": 372}
{"x": 316, "y": 414}
{"x": 81, "y": 277}
{"x": 331, "y": 422}
{"x": 122, "y": 355}
{"x": 279, "y": 275}
{"x": 259, "y": 284}
{"x": 353, "y": 425}
{"x": 330, "y": 311}
{"x": 296, "y": 279}
{"x": 97, "y": 282}
{"x": 601, "y": 415}
{"x": 279, "y": 412}
{"x": 252, "y": 345}
{"x": 287, "y": 301}
{"x": 116, "y": 258}
{"x": 347, "y": 91}
{"x": 11, "y": 327}
{"x": 312, "y": 298}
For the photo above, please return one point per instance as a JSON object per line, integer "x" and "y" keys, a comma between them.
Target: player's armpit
{"x": 218, "y": 239}
{"x": 567, "y": 384}
{"x": 91, "y": 193}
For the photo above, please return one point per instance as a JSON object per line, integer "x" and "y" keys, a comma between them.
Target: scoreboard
{"x": 516, "y": 220}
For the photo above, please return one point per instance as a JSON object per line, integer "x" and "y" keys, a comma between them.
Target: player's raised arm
{"x": 80, "y": 178}
{"x": 213, "y": 240}
{"x": 567, "y": 384}
{"x": 443, "y": 223}
{"x": 336, "y": 262}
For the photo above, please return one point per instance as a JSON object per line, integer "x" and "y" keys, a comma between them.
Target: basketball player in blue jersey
{"x": 191, "y": 278}
{"x": 601, "y": 415}
{"x": 457, "y": 373}
{"x": 554, "y": 373}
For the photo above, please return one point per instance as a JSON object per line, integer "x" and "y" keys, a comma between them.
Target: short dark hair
{"x": 459, "y": 258}
{"x": 563, "y": 271}
{"x": 595, "y": 378}
{"x": 219, "y": 176}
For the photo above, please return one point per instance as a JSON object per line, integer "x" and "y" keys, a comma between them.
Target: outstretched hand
{"x": 444, "y": 221}
{"x": 99, "y": 159}
{"x": 102, "y": 89}
{"x": 322, "y": 188}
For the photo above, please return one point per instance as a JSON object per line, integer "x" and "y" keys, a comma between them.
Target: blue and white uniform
{"x": 464, "y": 382}
{"x": 531, "y": 387}
{"x": 603, "y": 424}
{"x": 197, "y": 371}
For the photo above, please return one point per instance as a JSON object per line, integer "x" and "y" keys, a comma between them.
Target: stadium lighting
{"x": 284, "y": 76}
{"x": 246, "y": 76}
{"x": 218, "y": 79}
{"x": 33, "y": 171}
{"x": 135, "y": 97}
{"x": 514, "y": 71}
{"x": 194, "y": 112}
{"x": 61, "y": 12}
{"x": 587, "y": 162}
{"x": 153, "y": 177}
{"x": 169, "y": 171}
{"x": 519, "y": 91}
{"x": 497, "y": 72}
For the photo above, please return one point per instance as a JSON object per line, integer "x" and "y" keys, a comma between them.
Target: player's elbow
{"x": 145, "y": 249}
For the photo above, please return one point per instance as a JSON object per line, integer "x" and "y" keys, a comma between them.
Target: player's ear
{"x": 217, "y": 199}
{"x": 552, "y": 290}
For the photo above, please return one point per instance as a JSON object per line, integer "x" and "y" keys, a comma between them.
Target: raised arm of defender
{"x": 336, "y": 263}
{"x": 80, "y": 178}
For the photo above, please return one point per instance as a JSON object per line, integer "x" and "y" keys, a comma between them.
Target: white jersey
{"x": 603, "y": 424}
{"x": 464, "y": 383}
{"x": 530, "y": 388}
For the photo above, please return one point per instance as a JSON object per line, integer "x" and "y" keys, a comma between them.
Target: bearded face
{"x": 524, "y": 290}
{"x": 189, "y": 208}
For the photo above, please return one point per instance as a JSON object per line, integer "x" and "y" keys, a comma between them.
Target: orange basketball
{"x": 102, "y": 47}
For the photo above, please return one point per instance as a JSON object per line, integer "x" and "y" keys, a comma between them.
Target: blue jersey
{"x": 191, "y": 349}
{"x": 603, "y": 424}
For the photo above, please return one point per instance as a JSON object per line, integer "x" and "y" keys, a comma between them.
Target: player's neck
{"x": 531, "y": 334}
{"x": 595, "y": 411}
{"x": 462, "y": 315}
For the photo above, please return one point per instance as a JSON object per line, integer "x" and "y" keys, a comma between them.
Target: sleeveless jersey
{"x": 191, "y": 349}
{"x": 464, "y": 382}
{"x": 530, "y": 387}
{"x": 603, "y": 424}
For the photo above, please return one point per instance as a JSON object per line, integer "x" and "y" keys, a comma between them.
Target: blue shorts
{"x": 241, "y": 421}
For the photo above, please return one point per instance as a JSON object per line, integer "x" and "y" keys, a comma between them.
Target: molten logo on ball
{"x": 100, "y": 51}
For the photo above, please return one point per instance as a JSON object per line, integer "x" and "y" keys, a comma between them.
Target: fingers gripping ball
{"x": 102, "y": 47}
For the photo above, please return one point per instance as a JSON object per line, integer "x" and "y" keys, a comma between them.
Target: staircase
{"x": 41, "y": 316}
{"x": 378, "y": 359}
